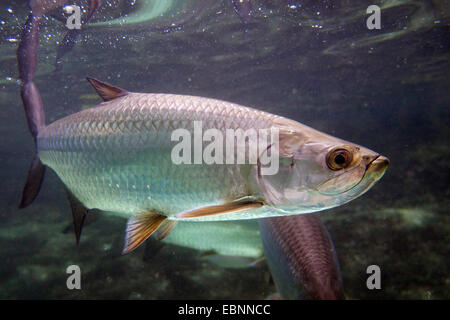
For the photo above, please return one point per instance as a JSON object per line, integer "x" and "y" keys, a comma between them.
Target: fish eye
{"x": 339, "y": 158}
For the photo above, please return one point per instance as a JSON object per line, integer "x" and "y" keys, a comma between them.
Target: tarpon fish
{"x": 116, "y": 157}
{"x": 301, "y": 258}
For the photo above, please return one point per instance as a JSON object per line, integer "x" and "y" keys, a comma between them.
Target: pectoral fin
{"x": 221, "y": 209}
{"x": 140, "y": 227}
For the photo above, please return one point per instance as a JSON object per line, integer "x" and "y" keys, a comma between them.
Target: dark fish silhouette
{"x": 244, "y": 10}
{"x": 67, "y": 44}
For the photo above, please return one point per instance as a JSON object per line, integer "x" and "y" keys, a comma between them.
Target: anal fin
{"x": 140, "y": 227}
{"x": 79, "y": 212}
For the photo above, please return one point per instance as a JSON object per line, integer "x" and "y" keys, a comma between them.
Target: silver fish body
{"x": 117, "y": 157}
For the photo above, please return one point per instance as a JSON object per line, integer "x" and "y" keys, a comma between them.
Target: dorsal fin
{"x": 106, "y": 91}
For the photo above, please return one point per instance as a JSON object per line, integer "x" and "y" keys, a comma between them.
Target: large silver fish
{"x": 117, "y": 157}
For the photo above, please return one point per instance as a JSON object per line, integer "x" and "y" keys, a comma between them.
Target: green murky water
{"x": 312, "y": 61}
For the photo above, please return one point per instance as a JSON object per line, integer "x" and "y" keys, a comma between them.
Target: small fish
{"x": 69, "y": 40}
{"x": 243, "y": 9}
{"x": 116, "y": 157}
{"x": 66, "y": 45}
{"x": 301, "y": 257}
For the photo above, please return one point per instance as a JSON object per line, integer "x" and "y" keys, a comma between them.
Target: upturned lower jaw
{"x": 378, "y": 166}
{"x": 374, "y": 171}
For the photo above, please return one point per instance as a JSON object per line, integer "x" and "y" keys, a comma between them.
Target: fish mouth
{"x": 375, "y": 170}
{"x": 379, "y": 164}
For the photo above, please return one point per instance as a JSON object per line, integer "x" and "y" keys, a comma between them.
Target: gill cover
{"x": 317, "y": 171}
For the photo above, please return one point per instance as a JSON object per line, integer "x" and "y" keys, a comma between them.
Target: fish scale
{"x": 125, "y": 144}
